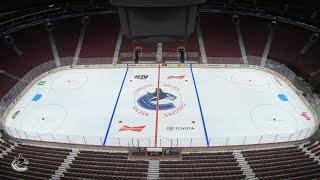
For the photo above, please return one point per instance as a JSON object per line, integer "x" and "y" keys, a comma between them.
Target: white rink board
{"x": 119, "y": 107}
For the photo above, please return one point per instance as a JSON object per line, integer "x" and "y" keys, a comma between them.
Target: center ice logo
{"x": 149, "y": 100}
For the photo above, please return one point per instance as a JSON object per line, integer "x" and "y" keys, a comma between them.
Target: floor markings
{"x": 157, "y": 109}
{"x": 114, "y": 108}
{"x": 202, "y": 118}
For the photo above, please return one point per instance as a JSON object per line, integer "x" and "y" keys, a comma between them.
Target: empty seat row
{"x": 44, "y": 149}
{"x": 106, "y": 164}
{"x": 283, "y": 153}
{"x": 276, "y": 157}
{"x": 294, "y": 174}
{"x": 112, "y": 171}
{"x": 315, "y": 147}
{"x": 271, "y": 151}
{"x": 263, "y": 167}
{"x": 37, "y": 154}
{"x": 186, "y": 157}
{"x": 209, "y": 154}
{"x": 101, "y": 156}
{"x": 4, "y": 144}
{"x": 281, "y": 163}
{"x": 107, "y": 168}
{"x": 104, "y": 176}
{"x": 116, "y": 160}
{"x": 190, "y": 176}
{"x": 103, "y": 152}
{"x": 198, "y": 169}
{"x": 285, "y": 171}
{"x": 280, "y": 160}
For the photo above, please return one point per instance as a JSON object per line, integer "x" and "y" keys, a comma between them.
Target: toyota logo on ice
{"x": 171, "y": 128}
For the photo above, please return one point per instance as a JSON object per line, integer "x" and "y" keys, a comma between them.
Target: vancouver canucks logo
{"x": 149, "y": 100}
{"x": 20, "y": 164}
{"x": 167, "y": 97}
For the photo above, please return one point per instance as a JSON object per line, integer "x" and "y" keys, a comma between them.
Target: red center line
{"x": 157, "y": 109}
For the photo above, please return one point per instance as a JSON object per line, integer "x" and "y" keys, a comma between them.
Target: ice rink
{"x": 161, "y": 107}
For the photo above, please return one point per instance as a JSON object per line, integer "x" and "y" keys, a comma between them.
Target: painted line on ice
{"x": 203, "y": 122}
{"x": 115, "y": 107}
{"x": 157, "y": 110}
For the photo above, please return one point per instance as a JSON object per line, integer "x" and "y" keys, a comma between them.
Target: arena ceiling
{"x": 299, "y": 12}
{"x": 9, "y": 5}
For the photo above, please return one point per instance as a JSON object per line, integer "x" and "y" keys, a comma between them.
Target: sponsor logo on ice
{"x": 176, "y": 128}
{"x": 37, "y": 97}
{"x": 132, "y": 128}
{"x": 176, "y": 77}
{"x": 40, "y": 83}
{"x": 141, "y": 76}
{"x": 305, "y": 116}
{"x": 15, "y": 115}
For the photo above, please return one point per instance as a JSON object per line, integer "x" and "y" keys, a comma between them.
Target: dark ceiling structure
{"x": 148, "y": 20}
{"x": 10, "y": 5}
{"x": 19, "y": 14}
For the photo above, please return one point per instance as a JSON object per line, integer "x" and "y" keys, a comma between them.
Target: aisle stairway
{"x": 245, "y": 167}
{"x": 153, "y": 170}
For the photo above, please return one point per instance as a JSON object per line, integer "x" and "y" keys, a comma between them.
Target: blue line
{"x": 203, "y": 123}
{"x": 114, "y": 108}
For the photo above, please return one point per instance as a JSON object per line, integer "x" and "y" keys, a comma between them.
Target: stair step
{"x": 243, "y": 164}
{"x": 64, "y": 165}
{"x": 153, "y": 170}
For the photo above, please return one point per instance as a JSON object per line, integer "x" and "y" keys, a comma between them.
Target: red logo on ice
{"x": 132, "y": 128}
{"x": 176, "y": 77}
{"x": 305, "y": 116}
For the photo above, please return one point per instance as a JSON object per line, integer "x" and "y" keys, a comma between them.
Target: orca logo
{"x": 20, "y": 164}
{"x": 149, "y": 100}
{"x": 141, "y": 76}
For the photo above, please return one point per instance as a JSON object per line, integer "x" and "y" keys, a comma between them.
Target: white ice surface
{"x": 238, "y": 105}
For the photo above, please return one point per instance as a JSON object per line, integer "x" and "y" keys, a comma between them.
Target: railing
{"x": 144, "y": 56}
{"x": 15, "y": 93}
{"x": 224, "y": 60}
{"x": 162, "y": 141}
{"x": 67, "y": 61}
{"x": 166, "y": 56}
{"x": 189, "y": 56}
